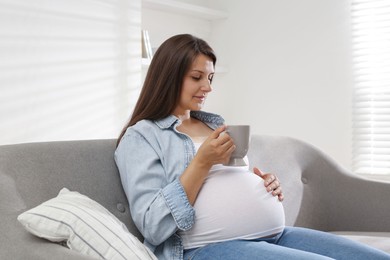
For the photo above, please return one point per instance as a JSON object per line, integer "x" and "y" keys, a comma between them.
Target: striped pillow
{"x": 86, "y": 227}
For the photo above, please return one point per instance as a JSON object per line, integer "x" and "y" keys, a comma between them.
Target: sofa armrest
{"x": 355, "y": 203}
{"x": 318, "y": 192}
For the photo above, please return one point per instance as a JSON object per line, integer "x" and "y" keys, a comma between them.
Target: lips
{"x": 201, "y": 98}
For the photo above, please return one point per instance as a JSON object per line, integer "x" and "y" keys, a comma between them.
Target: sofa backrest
{"x": 33, "y": 173}
{"x": 36, "y": 172}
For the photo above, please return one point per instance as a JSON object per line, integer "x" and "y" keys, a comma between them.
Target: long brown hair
{"x": 163, "y": 82}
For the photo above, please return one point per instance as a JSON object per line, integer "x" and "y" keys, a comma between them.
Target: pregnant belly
{"x": 233, "y": 204}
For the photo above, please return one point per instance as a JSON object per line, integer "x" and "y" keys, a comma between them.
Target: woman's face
{"x": 196, "y": 85}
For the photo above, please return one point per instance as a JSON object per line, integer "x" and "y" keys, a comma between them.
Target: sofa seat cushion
{"x": 379, "y": 240}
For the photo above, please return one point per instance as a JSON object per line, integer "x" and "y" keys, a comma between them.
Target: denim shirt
{"x": 150, "y": 157}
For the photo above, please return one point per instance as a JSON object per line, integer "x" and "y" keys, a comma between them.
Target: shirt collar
{"x": 208, "y": 118}
{"x": 167, "y": 122}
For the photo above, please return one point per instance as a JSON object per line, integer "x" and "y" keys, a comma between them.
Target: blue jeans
{"x": 292, "y": 243}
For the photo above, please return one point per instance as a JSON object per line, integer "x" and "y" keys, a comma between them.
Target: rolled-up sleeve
{"x": 158, "y": 207}
{"x": 178, "y": 203}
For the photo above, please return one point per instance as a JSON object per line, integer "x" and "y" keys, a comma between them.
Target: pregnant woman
{"x": 184, "y": 201}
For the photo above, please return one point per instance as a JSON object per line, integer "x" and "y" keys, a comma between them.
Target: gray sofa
{"x": 318, "y": 193}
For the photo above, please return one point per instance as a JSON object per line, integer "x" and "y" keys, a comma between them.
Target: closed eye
{"x": 211, "y": 77}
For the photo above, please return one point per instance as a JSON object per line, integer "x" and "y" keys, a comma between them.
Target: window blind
{"x": 68, "y": 69}
{"x": 371, "y": 105}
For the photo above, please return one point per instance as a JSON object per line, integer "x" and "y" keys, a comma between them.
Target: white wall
{"x": 161, "y": 25}
{"x": 68, "y": 69}
{"x": 289, "y": 70}
{"x": 289, "y": 74}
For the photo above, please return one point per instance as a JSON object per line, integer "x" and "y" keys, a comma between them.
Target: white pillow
{"x": 85, "y": 225}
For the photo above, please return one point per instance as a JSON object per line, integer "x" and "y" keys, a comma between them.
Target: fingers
{"x": 281, "y": 196}
{"x": 271, "y": 182}
{"x": 267, "y": 177}
{"x": 219, "y": 138}
{"x": 224, "y": 140}
{"x": 276, "y": 190}
{"x": 217, "y": 148}
{"x": 217, "y": 132}
{"x": 258, "y": 172}
{"x": 228, "y": 145}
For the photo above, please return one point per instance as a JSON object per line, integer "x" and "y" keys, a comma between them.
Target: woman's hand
{"x": 217, "y": 148}
{"x": 271, "y": 183}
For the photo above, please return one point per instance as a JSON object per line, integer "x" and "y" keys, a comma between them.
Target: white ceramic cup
{"x": 240, "y": 135}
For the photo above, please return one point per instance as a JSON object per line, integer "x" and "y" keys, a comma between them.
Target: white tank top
{"x": 233, "y": 204}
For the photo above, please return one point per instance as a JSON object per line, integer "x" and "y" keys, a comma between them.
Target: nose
{"x": 206, "y": 86}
